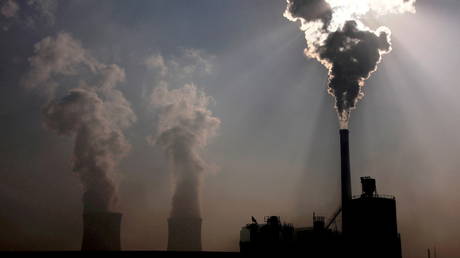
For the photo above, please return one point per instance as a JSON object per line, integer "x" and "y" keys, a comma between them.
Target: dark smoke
{"x": 353, "y": 55}
{"x": 311, "y": 10}
{"x": 94, "y": 115}
{"x": 337, "y": 38}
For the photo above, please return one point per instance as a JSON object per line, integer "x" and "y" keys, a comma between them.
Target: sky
{"x": 275, "y": 149}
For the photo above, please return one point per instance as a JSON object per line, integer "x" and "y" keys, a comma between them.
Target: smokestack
{"x": 101, "y": 231}
{"x": 345, "y": 176}
{"x": 184, "y": 234}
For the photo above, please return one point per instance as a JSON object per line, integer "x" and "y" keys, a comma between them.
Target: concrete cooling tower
{"x": 101, "y": 231}
{"x": 184, "y": 234}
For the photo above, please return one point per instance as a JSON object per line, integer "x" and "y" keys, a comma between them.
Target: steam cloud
{"x": 94, "y": 114}
{"x": 338, "y": 38}
{"x": 185, "y": 125}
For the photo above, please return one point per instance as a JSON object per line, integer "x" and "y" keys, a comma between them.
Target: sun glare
{"x": 344, "y": 10}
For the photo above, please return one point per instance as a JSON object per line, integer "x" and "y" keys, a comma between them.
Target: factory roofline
{"x": 381, "y": 196}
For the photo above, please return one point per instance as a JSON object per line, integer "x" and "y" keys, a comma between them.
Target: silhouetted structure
{"x": 184, "y": 234}
{"x": 268, "y": 238}
{"x": 101, "y": 231}
{"x": 275, "y": 237}
{"x": 345, "y": 177}
{"x": 372, "y": 231}
{"x": 373, "y": 223}
{"x": 369, "y": 225}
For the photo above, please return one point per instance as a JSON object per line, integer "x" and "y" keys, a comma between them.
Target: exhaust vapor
{"x": 338, "y": 38}
{"x": 94, "y": 113}
{"x": 185, "y": 126}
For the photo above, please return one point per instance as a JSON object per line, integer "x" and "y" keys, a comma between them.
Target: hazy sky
{"x": 276, "y": 151}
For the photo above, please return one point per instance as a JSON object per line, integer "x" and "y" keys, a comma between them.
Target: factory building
{"x": 373, "y": 223}
{"x": 372, "y": 231}
{"x": 368, "y": 225}
{"x": 272, "y": 236}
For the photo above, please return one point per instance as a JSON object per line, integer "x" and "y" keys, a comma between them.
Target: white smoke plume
{"x": 94, "y": 113}
{"x": 184, "y": 128}
{"x": 339, "y": 39}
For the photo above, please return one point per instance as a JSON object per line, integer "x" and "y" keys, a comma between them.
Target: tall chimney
{"x": 101, "y": 231}
{"x": 184, "y": 234}
{"x": 345, "y": 177}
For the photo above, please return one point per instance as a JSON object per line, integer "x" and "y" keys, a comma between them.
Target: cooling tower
{"x": 101, "y": 231}
{"x": 345, "y": 177}
{"x": 184, "y": 234}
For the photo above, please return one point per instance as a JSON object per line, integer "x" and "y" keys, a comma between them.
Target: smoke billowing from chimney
{"x": 185, "y": 126}
{"x": 93, "y": 112}
{"x": 338, "y": 38}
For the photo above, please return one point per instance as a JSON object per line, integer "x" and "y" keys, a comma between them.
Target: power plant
{"x": 369, "y": 225}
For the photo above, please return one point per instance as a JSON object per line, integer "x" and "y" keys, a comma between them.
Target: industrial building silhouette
{"x": 369, "y": 225}
{"x": 372, "y": 231}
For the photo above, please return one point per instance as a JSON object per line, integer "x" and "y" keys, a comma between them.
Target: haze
{"x": 276, "y": 151}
